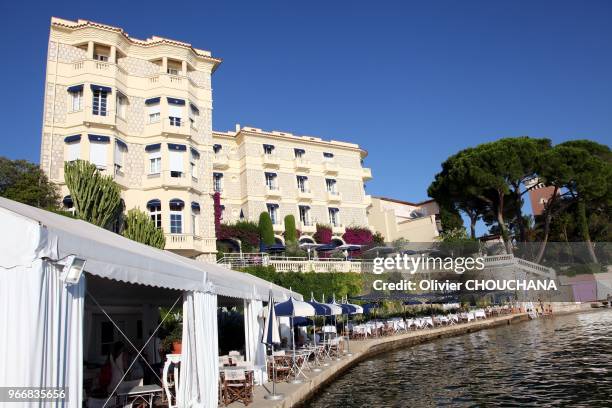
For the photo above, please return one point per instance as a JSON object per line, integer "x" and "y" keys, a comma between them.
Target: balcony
{"x": 189, "y": 244}
{"x": 334, "y": 196}
{"x": 176, "y": 126}
{"x": 304, "y": 194}
{"x": 178, "y": 82}
{"x": 308, "y": 227}
{"x": 166, "y": 180}
{"x": 302, "y": 164}
{"x": 220, "y": 161}
{"x": 270, "y": 160}
{"x": 330, "y": 167}
{"x": 367, "y": 174}
{"x": 273, "y": 191}
{"x": 107, "y": 119}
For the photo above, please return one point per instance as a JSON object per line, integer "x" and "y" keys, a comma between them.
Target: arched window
{"x": 154, "y": 207}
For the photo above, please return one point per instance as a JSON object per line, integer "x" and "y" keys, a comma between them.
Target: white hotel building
{"x": 141, "y": 110}
{"x": 315, "y": 180}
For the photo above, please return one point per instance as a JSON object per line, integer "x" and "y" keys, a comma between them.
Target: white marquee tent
{"x": 42, "y": 315}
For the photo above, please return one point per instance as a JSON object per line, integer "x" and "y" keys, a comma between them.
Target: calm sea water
{"x": 564, "y": 361}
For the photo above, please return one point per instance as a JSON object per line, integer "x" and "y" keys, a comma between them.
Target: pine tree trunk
{"x": 583, "y": 224}
{"x": 502, "y": 223}
{"x": 547, "y": 220}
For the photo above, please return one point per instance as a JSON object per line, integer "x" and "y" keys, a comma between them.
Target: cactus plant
{"x": 139, "y": 227}
{"x": 96, "y": 198}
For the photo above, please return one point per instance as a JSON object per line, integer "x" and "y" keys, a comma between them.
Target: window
{"x": 217, "y": 182}
{"x": 97, "y": 153}
{"x": 334, "y": 218}
{"x": 194, "y": 225}
{"x": 268, "y": 149}
{"x": 193, "y": 113}
{"x": 172, "y": 71}
{"x": 271, "y": 181}
{"x": 73, "y": 151}
{"x": 176, "y": 222}
{"x": 302, "y": 184}
{"x": 155, "y": 162}
{"x": 156, "y": 215}
{"x": 153, "y": 110}
{"x": 76, "y": 100}
{"x": 217, "y": 148}
{"x": 330, "y": 185}
{"x": 222, "y": 212}
{"x": 175, "y": 111}
{"x": 99, "y": 102}
{"x": 273, "y": 211}
{"x": 299, "y": 153}
{"x": 101, "y": 57}
{"x": 120, "y": 150}
{"x": 304, "y": 215}
{"x": 122, "y": 103}
{"x": 176, "y": 163}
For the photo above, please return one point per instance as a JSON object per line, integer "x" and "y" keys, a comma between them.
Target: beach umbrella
{"x": 379, "y": 250}
{"x": 326, "y": 248}
{"x": 271, "y": 336}
{"x": 275, "y": 248}
{"x": 309, "y": 246}
{"x": 294, "y": 308}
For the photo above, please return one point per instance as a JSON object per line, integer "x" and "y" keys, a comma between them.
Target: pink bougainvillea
{"x": 217, "y": 211}
{"x": 358, "y": 236}
{"x": 323, "y": 234}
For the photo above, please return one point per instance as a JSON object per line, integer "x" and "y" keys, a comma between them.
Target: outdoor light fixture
{"x": 73, "y": 269}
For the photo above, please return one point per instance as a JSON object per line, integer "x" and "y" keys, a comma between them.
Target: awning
{"x": 121, "y": 143}
{"x": 195, "y": 206}
{"x": 333, "y": 209}
{"x": 271, "y": 205}
{"x": 153, "y": 203}
{"x": 299, "y": 151}
{"x": 306, "y": 207}
{"x": 175, "y": 101}
{"x": 194, "y": 107}
{"x": 152, "y": 147}
{"x": 98, "y": 138}
{"x": 67, "y": 201}
{"x": 101, "y": 88}
{"x": 41, "y": 234}
{"x": 177, "y": 202}
{"x": 326, "y": 154}
{"x": 268, "y": 146}
{"x": 152, "y": 101}
{"x": 177, "y": 147}
{"x": 195, "y": 153}
{"x": 302, "y": 178}
{"x": 75, "y": 88}
{"x": 72, "y": 139}
{"x": 270, "y": 174}
{"x": 217, "y": 147}
{"x": 217, "y": 175}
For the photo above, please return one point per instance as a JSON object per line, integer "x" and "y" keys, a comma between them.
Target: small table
{"x": 140, "y": 393}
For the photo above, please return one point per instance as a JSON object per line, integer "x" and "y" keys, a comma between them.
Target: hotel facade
{"x": 316, "y": 181}
{"x": 141, "y": 111}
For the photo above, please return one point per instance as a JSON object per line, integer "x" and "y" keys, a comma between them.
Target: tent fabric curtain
{"x": 255, "y": 350}
{"x": 41, "y": 330}
{"x": 198, "y": 385}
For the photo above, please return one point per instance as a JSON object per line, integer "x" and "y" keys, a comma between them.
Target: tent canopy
{"x": 29, "y": 233}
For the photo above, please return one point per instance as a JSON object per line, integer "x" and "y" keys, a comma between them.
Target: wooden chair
{"x": 237, "y": 386}
{"x": 282, "y": 365}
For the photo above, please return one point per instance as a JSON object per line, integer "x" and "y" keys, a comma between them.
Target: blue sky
{"x": 411, "y": 82}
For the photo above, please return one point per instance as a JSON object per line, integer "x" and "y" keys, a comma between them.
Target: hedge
{"x": 328, "y": 284}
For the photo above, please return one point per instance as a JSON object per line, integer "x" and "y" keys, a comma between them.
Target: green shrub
{"x": 305, "y": 283}
{"x": 290, "y": 231}
{"x": 266, "y": 230}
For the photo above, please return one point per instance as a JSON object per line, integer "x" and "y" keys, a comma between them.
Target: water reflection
{"x": 548, "y": 362}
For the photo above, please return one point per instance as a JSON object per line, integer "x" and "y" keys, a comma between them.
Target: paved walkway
{"x": 362, "y": 349}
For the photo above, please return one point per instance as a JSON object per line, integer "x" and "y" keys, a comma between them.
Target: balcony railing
{"x": 220, "y": 161}
{"x": 330, "y": 167}
{"x": 270, "y": 160}
{"x": 302, "y": 164}
{"x": 176, "y": 126}
{"x": 334, "y": 196}
{"x": 304, "y": 194}
{"x": 367, "y": 174}
{"x": 170, "y": 179}
{"x": 190, "y": 243}
{"x": 273, "y": 191}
